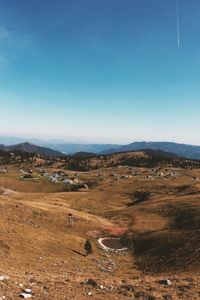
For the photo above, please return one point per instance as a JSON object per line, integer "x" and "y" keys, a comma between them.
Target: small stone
{"x": 25, "y": 296}
{"x": 128, "y": 287}
{"x": 165, "y": 282}
{"x": 2, "y": 278}
{"x": 27, "y": 291}
{"x": 90, "y": 282}
{"x": 124, "y": 281}
{"x": 89, "y": 294}
{"x": 101, "y": 287}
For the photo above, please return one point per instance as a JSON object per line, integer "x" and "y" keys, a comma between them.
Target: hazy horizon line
{"x": 80, "y": 140}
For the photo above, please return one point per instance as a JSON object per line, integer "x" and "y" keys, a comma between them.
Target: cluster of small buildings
{"x": 160, "y": 174}
{"x": 130, "y": 172}
{"x": 115, "y": 176}
{"x": 58, "y": 177}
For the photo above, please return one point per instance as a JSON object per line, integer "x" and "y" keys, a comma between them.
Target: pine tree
{"x": 88, "y": 247}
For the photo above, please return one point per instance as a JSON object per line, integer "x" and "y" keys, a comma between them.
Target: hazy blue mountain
{"x": 74, "y": 148}
{"x": 31, "y": 148}
{"x": 58, "y": 145}
{"x": 184, "y": 150}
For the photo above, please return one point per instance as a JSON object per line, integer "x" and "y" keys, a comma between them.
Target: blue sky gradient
{"x": 100, "y": 71}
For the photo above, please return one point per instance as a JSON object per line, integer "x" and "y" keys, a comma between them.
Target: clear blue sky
{"x": 100, "y": 70}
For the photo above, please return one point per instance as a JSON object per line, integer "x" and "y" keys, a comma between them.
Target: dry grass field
{"x": 44, "y": 227}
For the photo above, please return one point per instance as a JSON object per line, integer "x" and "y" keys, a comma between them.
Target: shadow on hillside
{"x": 139, "y": 197}
{"x": 174, "y": 250}
{"x": 184, "y": 217}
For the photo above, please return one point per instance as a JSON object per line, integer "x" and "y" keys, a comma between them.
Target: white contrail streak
{"x": 177, "y": 24}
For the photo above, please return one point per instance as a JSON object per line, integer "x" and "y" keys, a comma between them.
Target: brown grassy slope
{"x": 38, "y": 244}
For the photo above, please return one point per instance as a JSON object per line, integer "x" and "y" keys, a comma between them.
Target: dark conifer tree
{"x": 88, "y": 247}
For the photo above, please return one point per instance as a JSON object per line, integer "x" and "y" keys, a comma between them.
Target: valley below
{"x": 153, "y": 210}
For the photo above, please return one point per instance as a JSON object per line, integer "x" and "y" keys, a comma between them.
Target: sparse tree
{"x": 88, "y": 247}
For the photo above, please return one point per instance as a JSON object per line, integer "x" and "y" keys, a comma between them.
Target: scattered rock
{"x": 25, "y": 296}
{"x": 91, "y": 282}
{"x": 124, "y": 281}
{"x": 27, "y": 291}
{"x": 128, "y": 287}
{"x": 165, "y": 282}
{"x": 3, "y": 278}
{"x": 101, "y": 287}
{"x": 110, "y": 288}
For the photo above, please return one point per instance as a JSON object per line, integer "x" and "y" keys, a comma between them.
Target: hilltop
{"x": 144, "y": 158}
{"x": 184, "y": 150}
{"x": 83, "y": 161}
{"x": 31, "y": 148}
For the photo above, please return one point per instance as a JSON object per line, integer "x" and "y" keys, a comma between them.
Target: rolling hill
{"x": 183, "y": 150}
{"x": 31, "y": 148}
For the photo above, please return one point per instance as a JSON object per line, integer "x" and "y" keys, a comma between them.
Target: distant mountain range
{"x": 56, "y": 149}
{"x": 61, "y": 146}
{"x": 183, "y": 150}
{"x": 74, "y": 148}
{"x": 30, "y": 148}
